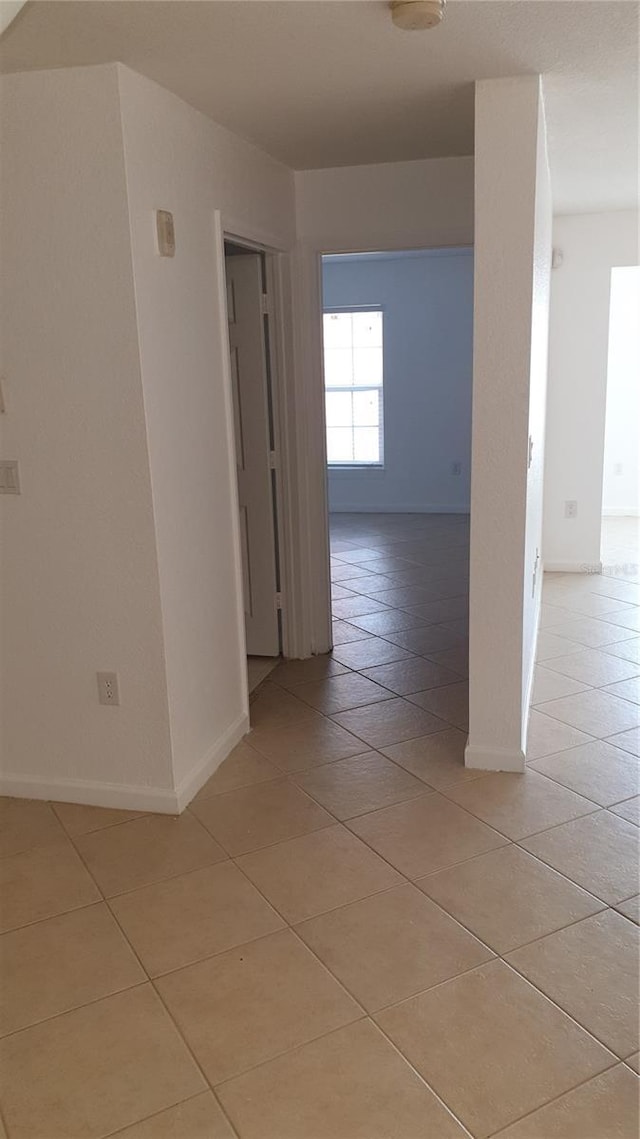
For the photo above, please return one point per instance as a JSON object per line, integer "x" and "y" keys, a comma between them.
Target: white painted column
{"x": 512, "y": 272}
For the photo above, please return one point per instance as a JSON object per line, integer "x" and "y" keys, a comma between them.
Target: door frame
{"x": 280, "y": 376}
{"x": 310, "y": 300}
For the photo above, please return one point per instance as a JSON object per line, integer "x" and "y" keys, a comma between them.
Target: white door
{"x": 250, "y": 383}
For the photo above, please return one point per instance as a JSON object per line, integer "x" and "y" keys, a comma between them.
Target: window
{"x": 353, "y": 386}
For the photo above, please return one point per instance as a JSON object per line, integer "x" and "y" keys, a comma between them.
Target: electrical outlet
{"x": 618, "y": 468}
{"x": 456, "y": 469}
{"x": 108, "y": 690}
{"x": 571, "y": 508}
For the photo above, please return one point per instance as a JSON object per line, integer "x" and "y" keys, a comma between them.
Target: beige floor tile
{"x": 548, "y": 685}
{"x": 250, "y": 1004}
{"x": 452, "y": 609}
{"x": 62, "y": 963}
{"x": 242, "y": 768}
{"x": 547, "y": 736}
{"x": 461, "y": 627}
{"x": 590, "y": 970}
{"x": 366, "y": 654}
{"x": 603, "y": 773}
{"x": 414, "y": 675}
{"x": 477, "y": 1042}
{"x": 628, "y": 650}
{"x": 368, "y": 584}
{"x": 507, "y": 898}
{"x": 628, "y": 741}
{"x": 351, "y": 1084}
{"x": 197, "y": 1118}
{"x": 25, "y": 823}
{"x": 176, "y": 923}
{"x": 591, "y": 667}
{"x": 253, "y": 817}
{"x": 450, "y": 703}
{"x": 594, "y": 712}
{"x": 634, "y": 1062}
{"x": 291, "y": 673}
{"x": 392, "y": 945}
{"x": 391, "y": 621}
{"x": 425, "y": 641}
{"x": 318, "y": 872}
{"x": 345, "y": 633}
{"x": 598, "y": 852}
{"x": 273, "y": 707}
{"x": 630, "y": 908}
{"x": 620, "y": 590}
{"x": 519, "y": 805}
{"x": 92, "y": 1071}
{"x": 551, "y": 615}
{"x": 628, "y": 618}
{"x": 630, "y": 810}
{"x": 41, "y": 883}
{"x": 438, "y": 759}
{"x": 626, "y": 689}
{"x": 357, "y": 606}
{"x": 338, "y": 693}
{"x": 147, "y": 850}
{"x": 389, "y": 722}
{"x": 404, "y": 596}
{"x": 550, "y": 645}
{"x": 592, "y": 632}
{"x": 301, "y": 746}
{"x": 599, "y": 605}
{"x": 425, "y": 835}
{"x": 342, "y": 571}
{"x": 362, "y": 783}
{"x": 606, "y": 1106}
{"x": 258, "y": 669}
{"x": 456, "y": 658}
{"x": 77, "y": 818}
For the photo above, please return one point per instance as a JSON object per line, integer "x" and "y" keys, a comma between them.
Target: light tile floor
{"x": 349, "y": 935}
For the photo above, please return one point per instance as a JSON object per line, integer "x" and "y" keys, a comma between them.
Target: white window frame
{"x": 359, "y": 464}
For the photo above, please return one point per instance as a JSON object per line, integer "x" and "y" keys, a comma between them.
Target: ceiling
{"x": 332, "y": 82}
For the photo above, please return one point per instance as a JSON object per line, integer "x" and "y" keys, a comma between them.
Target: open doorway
{"x": 398, "y": 343}
{"x": 620, "y": 541}
{"x": 255, "y": 447}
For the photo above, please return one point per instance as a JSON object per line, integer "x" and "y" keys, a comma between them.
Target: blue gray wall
{"x": 428, "y": 344}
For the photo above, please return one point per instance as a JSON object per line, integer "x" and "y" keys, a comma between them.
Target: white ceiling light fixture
{"x": 417, "y": 15}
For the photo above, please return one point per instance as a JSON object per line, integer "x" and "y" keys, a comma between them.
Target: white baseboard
{"x": 127, "y": 797}
{"x": 356, "y": 508}
{"x": 211, "y": 762}
{"x": 493, "y": 758}
{"x": 573, "y": 567}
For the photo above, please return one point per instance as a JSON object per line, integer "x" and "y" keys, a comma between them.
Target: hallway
{"x": 348, "y": 935}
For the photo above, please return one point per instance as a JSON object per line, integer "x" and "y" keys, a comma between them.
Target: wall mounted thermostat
{"x": 165, "y": 233}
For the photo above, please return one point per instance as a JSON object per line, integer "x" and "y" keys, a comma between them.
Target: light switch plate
{"x": 165, "y": 233}
{"x": 9, "y": 476}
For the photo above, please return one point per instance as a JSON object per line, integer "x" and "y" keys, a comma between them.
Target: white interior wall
{"x": 591, "y": 246}
{"x": 179, "y": 160}
{"x": 121, "y": 553}
{"x": 427, "y": 299}
{"x": 80, "y": 579}
{"x": 512, "y": 271}
{"x": 395, "y": 205}
{"x": 621, "y": 472}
